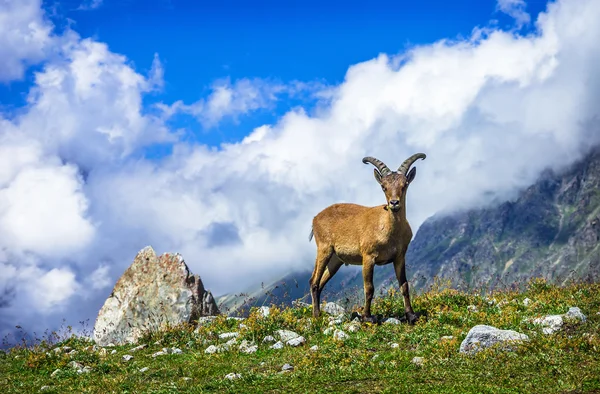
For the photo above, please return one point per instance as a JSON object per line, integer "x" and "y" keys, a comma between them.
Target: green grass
{"x": 566, "y": 362}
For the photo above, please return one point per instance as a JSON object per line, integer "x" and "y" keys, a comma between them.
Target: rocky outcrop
{"x": 153, "y": 292}
{"x": 482, "y": 336}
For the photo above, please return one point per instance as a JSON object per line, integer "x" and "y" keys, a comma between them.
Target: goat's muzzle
{"x": 394, "y": 205}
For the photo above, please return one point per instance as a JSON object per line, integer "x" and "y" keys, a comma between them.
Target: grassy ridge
{"x": 567, "y": 361}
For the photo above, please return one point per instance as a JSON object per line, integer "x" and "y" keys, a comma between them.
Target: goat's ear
{"x": 377, "y": 175}
{"x": 411, "y": 175}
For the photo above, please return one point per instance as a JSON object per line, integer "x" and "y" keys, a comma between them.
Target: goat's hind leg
{"x": 400, "y": 269}
{"x": 323, "y": 256}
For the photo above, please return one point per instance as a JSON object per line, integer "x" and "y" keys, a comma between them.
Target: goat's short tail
{"x": 310, "y": 236}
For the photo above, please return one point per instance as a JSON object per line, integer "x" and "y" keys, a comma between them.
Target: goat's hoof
{"x": 412, "y": 318}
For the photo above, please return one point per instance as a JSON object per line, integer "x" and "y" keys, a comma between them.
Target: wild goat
{"x": 368, "y": 236}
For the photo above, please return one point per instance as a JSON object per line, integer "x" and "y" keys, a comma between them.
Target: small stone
{"x": 242, "y": 326}
{"x": 228, "y": 335}
{"x": 57, "y": 350}
{"x": 333, "y": 309}
{"x": 375, "y": 357}
{"x": 286, "y": 335}
{"x": 354, "y": 327}
{"x": 527, "y": 301}
{"x": 296, "y": 341}
{"x": 550, "y": 324}
{"x": 418, "y": 361}
{"x": 575, "y": 313}
{"x": 159, "y": 353}
{"x": 340, "y": 335}
{"x": 209, "y": 350}
{"x": 328, "y": 331}
{"x": 391, "y": 320}
{"x": 135, "y": 349}
{"x": 85, "y": 370}
{"x": 176, "y": 350}
{"x": 186, "y": 379}
{"x": 67, "y": 349}
{"x": 75, "y": 365}
{"x": 113, "y": 352}
{"x": 336, "y": 322}
{"x": 268, "y": 339}
{"x": 231, "y": 342}
{"x": 142, "y": 370}
{"x": 73, "y": 352}
{"x": 483, "y": 336}
{"x": 233, "y": 376}
{"x": 287, "y": 367}
{"x": 56, "y": 372}
{"x": 127, "y": 357}
{"x": 314, "y": 348}
{"x": 472, "y": 309}
{"x": 394, "y": 345}
{"x": 278, "y": 345}
{"x": 102, "y": 352}
{"x": 44, "y": 388}
{"x": 447, "y": 338}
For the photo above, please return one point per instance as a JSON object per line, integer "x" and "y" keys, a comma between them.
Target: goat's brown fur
{"x": 368, "y": 236}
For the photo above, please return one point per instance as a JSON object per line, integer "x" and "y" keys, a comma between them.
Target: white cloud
{"x": 490, "y": 112}
{"x": 516, "y": 10}
{"x": 232, "y": 100}
{"x": 87, "y": 5}
{"x": 24, "y": 37}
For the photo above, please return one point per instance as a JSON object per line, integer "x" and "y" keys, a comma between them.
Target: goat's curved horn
{"x": 403, "y": 169}
{"x": 383, "y": 169}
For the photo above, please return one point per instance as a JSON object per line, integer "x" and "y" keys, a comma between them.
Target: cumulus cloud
{"x": 25, "y": 37}
{"x": 242, "y": 97}
{"x": 490, "y": 111}
{"x": 516, "y": 10}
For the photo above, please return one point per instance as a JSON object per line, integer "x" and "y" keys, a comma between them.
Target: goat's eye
{"x": 382, "y": 187}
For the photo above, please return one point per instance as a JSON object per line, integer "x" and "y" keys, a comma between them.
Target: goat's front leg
{"x": 400, "y": 269}
{"x": 368, "y": 265}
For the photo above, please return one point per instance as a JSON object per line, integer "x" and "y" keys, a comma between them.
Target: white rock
{"x": 75, "y": 365}
{"x": 264, "y": 311}
{"x": 287, "y": 367}
{"x": 333, "y": 309}
{"x": 328, "y": 331}
{"x": 227, "y": 335}
{"x": 56, "y": 372}
{"x": 159, "y": 353}
{"x": 176, "y": 351}
{"x": 85, "y": 370}
{"x": 482, "y": 336}
{"x": 268, "y": 339}
{"x": 447, "y": 338}
{"x": 44, "y": 388}
{"x": 575, "y": 313}
{"x": 472, "y": 308}
{"x": 314, "y": 348}
{"x": 278, "y": 345}
{"x": 102, "y": 352}
{"x": 391, "y": 320}
{"x": 296, "y": 341}
{"x": 127, "y": 357}
{"x": 242, "y": 325}
{"x": 394, "y": 345}
{"x": 353, "y": 327}
{"x": 550, "y": 324}
{"x": 231, "y": 342}
{"x": 209, "y": 350}
{"x": 250, "y": 349}
{"x": 142, "y": 370}
{"x": 336, "y": 322}
{"x": 233, "y": 376}
{"x": 135, "y": 349}
{"x": 340, "y": 335}
{"x": 113, "y": 352}
{"x": 418, "y": 361}
{"x": 286, "y": 335}
{"x": 527, "y": 301}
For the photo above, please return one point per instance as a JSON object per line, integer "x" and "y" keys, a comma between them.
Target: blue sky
{"x": 199, "y": 42}
{"x": 250, "y": 120}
